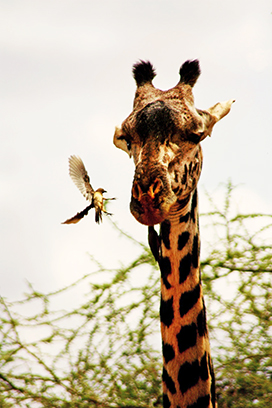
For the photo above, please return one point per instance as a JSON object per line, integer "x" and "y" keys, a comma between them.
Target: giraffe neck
{"x": 188, "y": 379}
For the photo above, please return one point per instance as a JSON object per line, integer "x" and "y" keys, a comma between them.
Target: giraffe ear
{"x": 120, "y": 141}
{"x": 212, "y": 115}
{"x": 219, "y": 110}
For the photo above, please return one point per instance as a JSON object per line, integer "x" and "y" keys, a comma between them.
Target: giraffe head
{"x": 163, "y": 134}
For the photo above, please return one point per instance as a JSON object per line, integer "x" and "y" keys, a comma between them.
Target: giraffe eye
{"x": 126, "y": 140}
{"x": 196, "y": 137}
{"x": 128, "y": 144}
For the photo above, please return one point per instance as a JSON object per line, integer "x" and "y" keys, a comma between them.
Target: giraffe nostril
{"x": 137, "y": 191}
{"x": 155, "y": 188}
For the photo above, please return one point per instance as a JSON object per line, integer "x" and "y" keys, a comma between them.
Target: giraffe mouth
{"x": 148, "y": 212}
{"x": 145, "y": 213}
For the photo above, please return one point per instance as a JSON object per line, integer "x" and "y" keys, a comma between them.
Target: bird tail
{"x": 98, "y": 216}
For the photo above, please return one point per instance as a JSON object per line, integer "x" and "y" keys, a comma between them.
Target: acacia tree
{"x": 237, "y": 275}
{"x": 104, "y": 352}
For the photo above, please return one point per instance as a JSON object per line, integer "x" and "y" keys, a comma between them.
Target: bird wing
{"x": 78, "y": 216}
{"x": 80, "y": 177}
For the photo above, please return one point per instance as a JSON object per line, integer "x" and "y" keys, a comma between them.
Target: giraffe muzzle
{"x": 138, "y": 192}
{"x": 147, "y": 202}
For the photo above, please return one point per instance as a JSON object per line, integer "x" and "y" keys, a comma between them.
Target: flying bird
{"x": 80, "y": 177}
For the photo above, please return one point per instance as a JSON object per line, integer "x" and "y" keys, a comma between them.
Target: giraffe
{"x": 163, "y": 135}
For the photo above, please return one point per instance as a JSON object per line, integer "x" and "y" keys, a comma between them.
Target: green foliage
{"x": 105, "y": 351}
{"x": 237, "y": 281}
{"x": 96, "y": 355}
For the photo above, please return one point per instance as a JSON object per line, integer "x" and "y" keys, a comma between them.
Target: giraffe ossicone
{"x": 163, "y": 135}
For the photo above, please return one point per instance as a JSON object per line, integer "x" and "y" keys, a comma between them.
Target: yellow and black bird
{"x": 81, "y": 179}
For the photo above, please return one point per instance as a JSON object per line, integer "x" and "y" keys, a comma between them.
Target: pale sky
{"x": 65, "y": 81}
